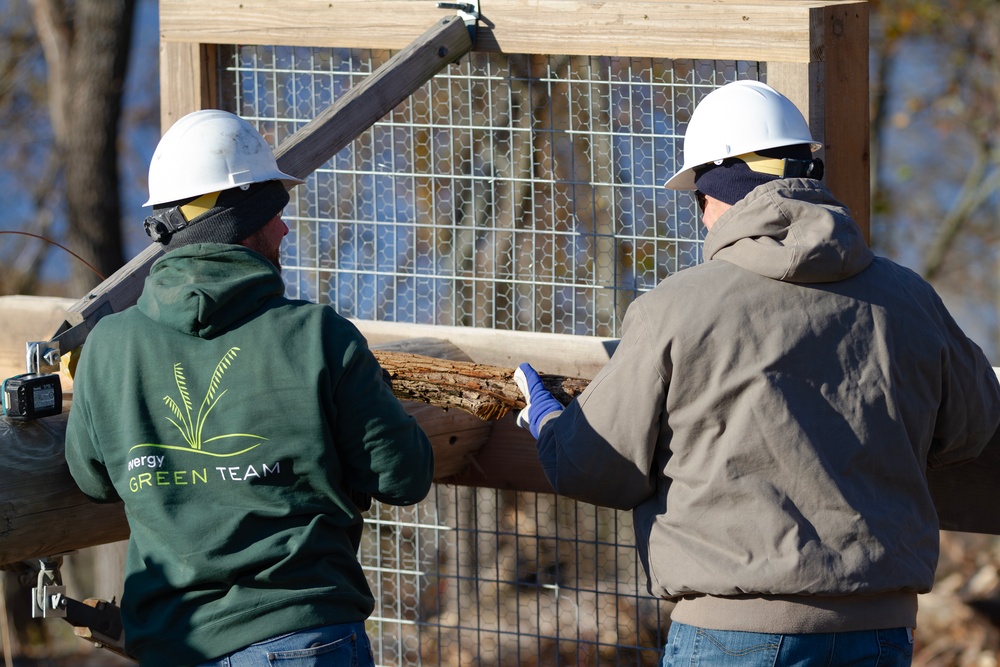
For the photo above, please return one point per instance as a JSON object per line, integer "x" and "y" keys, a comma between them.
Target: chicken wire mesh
{"x": 484, "y": 577}
{"x": 515, "y": 192}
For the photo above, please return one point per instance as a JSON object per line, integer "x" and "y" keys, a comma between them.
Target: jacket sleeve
{"x": 384, "y": 451}
{"x": 969, "y": 414}
{"x": 602, "y": 447}
{"x": 83, "y": 452}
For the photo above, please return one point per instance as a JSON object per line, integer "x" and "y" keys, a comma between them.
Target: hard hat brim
{"x": 287, "y": 180}
{"x": 682, "y": 180}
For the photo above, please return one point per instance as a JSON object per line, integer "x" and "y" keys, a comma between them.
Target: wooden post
{"x": 832, "y": 93}
{"x": 187, "y": 80}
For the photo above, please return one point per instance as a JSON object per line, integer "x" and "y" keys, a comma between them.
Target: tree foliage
{"x": 936, "y": 95}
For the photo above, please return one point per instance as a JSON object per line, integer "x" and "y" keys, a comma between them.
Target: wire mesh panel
{"x": 484, "y": 577}
{"x": 510, "y": 192}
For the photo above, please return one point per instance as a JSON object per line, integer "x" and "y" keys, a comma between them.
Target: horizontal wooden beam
{"x": 759, "y": 30}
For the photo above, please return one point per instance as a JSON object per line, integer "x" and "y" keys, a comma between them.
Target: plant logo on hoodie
{"x": 198, "y": 441}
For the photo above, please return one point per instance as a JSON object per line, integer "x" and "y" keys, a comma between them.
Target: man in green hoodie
{"x": 769, "y": 415}
{"x": 241, "y": 429}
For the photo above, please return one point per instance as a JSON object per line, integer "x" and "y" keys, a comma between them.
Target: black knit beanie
{"x": 733, "y": 180}
{"x": 237, "y": 214}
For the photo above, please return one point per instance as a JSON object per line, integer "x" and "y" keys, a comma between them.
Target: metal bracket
{"x": 48, "y": 597}
{"x": 467, "y": 11}
{"x": 98, "y": 621}
{"x": 42, "y": 357}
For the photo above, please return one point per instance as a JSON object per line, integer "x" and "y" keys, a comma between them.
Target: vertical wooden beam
{"x": 845, "y": 97}
{"x": 832, "y": 92}
{"x": 188, "y": 81}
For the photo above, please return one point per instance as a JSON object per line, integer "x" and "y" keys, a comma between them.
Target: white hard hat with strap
{"x": 735, "y": 120}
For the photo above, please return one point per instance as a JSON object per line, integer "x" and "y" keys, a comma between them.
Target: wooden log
{"x": 456, "y": 436}
{"x": 42, "y": 513}
{"x": 488, "y": 392}
{"x": 560, "y": 354}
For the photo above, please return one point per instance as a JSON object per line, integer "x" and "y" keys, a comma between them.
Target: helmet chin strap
{"x": 784, "y": 167}
{"x": 164, "y": 224}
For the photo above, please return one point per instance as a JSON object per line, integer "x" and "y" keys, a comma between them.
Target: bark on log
{"x": 488, "y": 392}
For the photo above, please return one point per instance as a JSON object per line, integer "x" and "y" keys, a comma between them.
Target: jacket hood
{"x": 205, "y": 288}
{"x": 792, "y": 230}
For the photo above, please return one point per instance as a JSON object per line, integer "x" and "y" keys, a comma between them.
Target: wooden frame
{"x": 816, "y": 53}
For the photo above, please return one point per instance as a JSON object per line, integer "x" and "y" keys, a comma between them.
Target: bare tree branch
{"x": 974, "y": 191}
{"x": 55, "y": 36}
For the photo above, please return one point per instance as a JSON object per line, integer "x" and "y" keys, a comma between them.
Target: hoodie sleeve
{"x": 83, "y": 452}
{"x": 384, "y": 451}
{"x": 969, "y": 414}
{"x": 601, "y": 448}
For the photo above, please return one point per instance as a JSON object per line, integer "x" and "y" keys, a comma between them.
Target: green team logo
{"x": 192, "y": 425}
{"x": 149, "y": 471}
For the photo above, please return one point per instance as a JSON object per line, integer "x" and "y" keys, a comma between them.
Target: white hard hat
{"x": 736, "y": 119}
{"x": 208, "y": 151}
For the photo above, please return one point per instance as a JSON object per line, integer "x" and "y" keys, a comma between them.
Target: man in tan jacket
{"x": 769, "y": 414}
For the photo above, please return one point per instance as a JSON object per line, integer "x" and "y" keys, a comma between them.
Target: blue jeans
{"x": 344, "y": 645}
{"x": 689, "y": 646}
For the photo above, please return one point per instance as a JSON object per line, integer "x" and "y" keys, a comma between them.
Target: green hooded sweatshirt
{"x": 234, "y": 423}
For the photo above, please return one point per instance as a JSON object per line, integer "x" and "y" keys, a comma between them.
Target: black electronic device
{"x": 38, "y": 392}
{"x": 30, "y": 396}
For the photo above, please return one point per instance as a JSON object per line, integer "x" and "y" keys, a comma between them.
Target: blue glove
{"x": 538, "y": 401}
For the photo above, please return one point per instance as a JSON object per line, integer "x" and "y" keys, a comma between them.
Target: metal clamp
{"x": 467, "y": 11}
{"x": 48, "y": 599}
{"x": 42, "y": 357}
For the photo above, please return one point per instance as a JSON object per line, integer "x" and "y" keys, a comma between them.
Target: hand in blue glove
{"x": 538, "y": 400}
